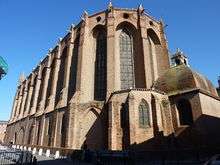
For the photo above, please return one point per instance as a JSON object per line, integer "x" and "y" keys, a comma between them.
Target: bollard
{"x": 47, "y": 153}
{"x": 25, "y": 148}
{"x": 21, "y": 147}
{"x": 34, "y": 151}
{"x": 29, "y": 148}
{"x": 57, "y": 155}
{"x": 40, "y": 151}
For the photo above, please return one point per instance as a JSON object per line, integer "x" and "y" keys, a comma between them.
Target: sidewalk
{"x": 43, "y": 160}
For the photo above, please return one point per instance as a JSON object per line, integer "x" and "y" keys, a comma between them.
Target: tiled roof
{"x": 180, "y": 78}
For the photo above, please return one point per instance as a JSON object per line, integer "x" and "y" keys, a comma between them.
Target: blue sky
{"x": 28, "y": 28}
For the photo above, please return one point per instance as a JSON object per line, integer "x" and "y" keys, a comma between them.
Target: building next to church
{"x": 3, "y": 125}
{"x": 109, "y": 84}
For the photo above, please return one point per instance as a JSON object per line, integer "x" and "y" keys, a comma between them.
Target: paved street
{"x": 42, "y": 160}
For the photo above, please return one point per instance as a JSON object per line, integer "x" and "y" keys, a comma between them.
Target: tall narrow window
{"x": 22, "y": 96}
{"x": 100, "y": 66}
{"x": 185, "y": 112}
{"x": 63, "y": 131}
{"x": 126, "y": 60}
{"x": 124, "y": 114}
{"x": 50, "y": 130}
{"x": 27, "y": 97}
{"x": 33, "y": 93}
{"x": 51, "y": 80}
{"x": 62, "y": 72}
{"x": 42, "y": 85}
{"x": 73, "y": 68}
{"x": 17, "y": 104}
{"x": 144, "y": 115}
{"x": 30, "y": 136}
{"x": 15, "y": 138}
{"x": 38, "y": 132}
{"x": 155, "y": 51}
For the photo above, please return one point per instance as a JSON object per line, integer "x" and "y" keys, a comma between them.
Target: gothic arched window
{"x": 30, "y": 135}
{"x": 144, "y": 114}
{"x": 33, "y": 93}
{"x": 38, "y": 132}
{"x": 50, "y": 130}
{"x": 100, "y": 66}
{"x": 73, "y": 68}
{"x": 63, "y": 131}
{"x": 28, "y": 95}
{"x": 185, "y": 112}
{"x": 124, "y": 114}
{"x": 51, "y": 80}
{"x": 155, "y": 50}
{"x": 42, "y": 85}
{"x": 15, "y": 138}
{"x": 126, "y": 60}
{"x": 62, "y": 73}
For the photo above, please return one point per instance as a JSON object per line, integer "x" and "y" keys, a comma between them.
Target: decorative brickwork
{"x": 108, "y": 84}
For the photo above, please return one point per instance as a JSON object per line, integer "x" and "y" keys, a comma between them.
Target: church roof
{"x": 181, "y": 78}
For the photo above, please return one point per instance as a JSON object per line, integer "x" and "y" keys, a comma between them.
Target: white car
{"x": 215, "y": 160}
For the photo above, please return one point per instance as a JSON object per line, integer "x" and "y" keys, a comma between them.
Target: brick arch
{"x": 20, "y": 136}
{"x": 154, "y": 36}
{"x": 94, "y": 109}
{"x": 91, "y": 129}
{"x": 127, "y": 23}
{"x": 97, "y": 28}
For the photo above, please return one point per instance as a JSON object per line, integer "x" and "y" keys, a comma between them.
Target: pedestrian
{"x": 34, "y": 161}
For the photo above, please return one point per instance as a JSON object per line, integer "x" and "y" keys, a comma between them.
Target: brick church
{"x": 110, "y": 84}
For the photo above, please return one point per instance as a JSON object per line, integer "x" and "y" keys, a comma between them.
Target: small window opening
{"x": 151, "y": 23}
{"x": 177, "y": 61}
{"x": 126, "y": 15}
{"x": 98, "y": 19}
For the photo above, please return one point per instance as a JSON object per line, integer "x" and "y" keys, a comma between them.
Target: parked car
{"x": 215, "y": 160}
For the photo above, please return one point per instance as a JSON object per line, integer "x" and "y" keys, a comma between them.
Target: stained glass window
{"x": 100, "y": 66}
{"x": 126, "y": 60}
{"x": 144, "y": 115}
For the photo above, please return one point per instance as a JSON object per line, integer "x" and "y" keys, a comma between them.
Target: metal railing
{"x": 15, "y": 157}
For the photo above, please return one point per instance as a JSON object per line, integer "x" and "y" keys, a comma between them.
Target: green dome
{"x": 181, "y": 78}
